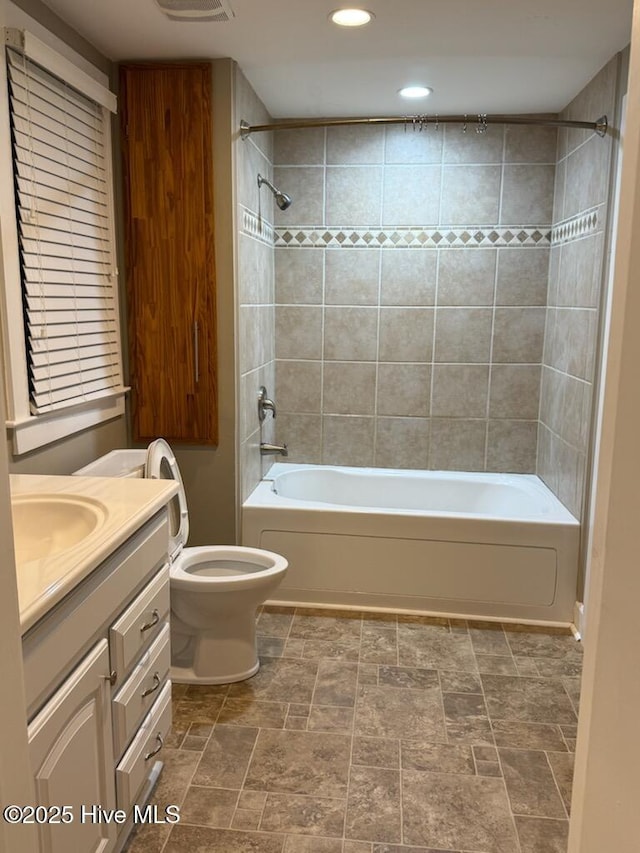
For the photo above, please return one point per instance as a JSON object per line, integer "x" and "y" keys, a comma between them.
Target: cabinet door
{"x": 170, "y": 266}
{"x": 71, "y": 753}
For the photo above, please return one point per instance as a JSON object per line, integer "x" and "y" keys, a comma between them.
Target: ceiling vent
{"x": 197, "y": 10}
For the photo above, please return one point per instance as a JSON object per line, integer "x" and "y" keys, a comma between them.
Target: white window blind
{"x": 65, "y": 238}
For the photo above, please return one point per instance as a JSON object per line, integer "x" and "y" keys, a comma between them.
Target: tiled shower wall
{"x": 575, "y": 291}
{"x": 254, "y": 281}
{"x": 411, "y": 289}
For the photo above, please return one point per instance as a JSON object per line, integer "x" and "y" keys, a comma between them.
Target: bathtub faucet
{"x": 272, "y": 449}
{"x": 265, "y": 404}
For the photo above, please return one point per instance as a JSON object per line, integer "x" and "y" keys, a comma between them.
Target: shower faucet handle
{"x": 265, "y": 404}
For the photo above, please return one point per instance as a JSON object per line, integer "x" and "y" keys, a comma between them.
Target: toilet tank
{"x": 118, "y": 463}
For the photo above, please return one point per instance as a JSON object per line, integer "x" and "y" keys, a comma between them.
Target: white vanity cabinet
{"x": 72, "y": 757}
{"x": 99, "y": 696}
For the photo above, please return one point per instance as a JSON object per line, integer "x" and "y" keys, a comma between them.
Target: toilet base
{"x": 186, "y": 675}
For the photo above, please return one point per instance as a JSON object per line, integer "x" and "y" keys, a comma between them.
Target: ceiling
{"x": 479, "y": 56}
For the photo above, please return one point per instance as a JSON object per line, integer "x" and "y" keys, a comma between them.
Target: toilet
{"x": 215, "y": 593}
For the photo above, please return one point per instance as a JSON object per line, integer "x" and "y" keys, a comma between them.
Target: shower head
{"x": 282, "y": 199}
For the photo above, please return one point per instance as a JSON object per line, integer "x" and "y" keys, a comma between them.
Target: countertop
{"x": 128, "y": 502}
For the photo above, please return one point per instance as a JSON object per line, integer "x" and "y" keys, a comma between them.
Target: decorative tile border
{"x": 256, "y": 226}
{"x": 575, "y": 227}
{"x": 418, "y": 238}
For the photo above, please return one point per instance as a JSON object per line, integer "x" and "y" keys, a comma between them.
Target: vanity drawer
{"x": 139, "y": 623}
{"x": 145, "y": 750}
{"x": 140, "y": 690}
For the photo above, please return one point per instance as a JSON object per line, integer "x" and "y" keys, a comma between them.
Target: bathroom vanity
{"x": 93, "y": 586}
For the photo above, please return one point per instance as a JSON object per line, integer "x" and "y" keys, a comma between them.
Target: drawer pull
{"x": 111, "y": 678}
{"x": 155, "y": 751}
{"x": 155, "y": 618}
{"x": 156, "y": 684}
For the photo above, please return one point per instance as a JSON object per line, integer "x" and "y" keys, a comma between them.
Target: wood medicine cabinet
{"x": 166, "y": 132}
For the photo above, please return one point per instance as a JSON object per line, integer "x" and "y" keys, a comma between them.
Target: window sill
{"x": 37, "y": 431}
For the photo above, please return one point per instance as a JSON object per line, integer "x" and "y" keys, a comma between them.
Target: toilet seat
{"x": 259, "y": 565}
{"x": 161, "y": 464}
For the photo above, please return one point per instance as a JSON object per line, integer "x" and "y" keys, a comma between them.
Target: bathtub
{"x": 490, "y": 546}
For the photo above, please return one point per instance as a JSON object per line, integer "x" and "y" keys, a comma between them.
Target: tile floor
{"x": 376, "y": 733}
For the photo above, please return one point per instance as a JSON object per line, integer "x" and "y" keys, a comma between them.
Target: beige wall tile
{"x": 514, "y": 391}
{"x": 460, "y": 390}
{"x": 411, "y": 195}
{"x": 408, "y": 276}
{"x": 406, "y": 145}
{"x": 299, "y": 275}
{"x": 463, "y": 334}
{"x": 355, "y": 145}
{"x": 511, "y": 446}
{"x": 457, "y": 445}
{"x": 349, "y": 388}
{"x": 559, "y": 191}
{"x": 249, "y": 384}
{"x": 580, "y": 272}
{"x": 251, "y": 163}
{"x": 402, "y": 443}
{"x": 596, "y": 99}
{"x": 352, "y": 276}
{"x": 250, "y": 108}
{"x": 298, "y": 332}
{"x": 555, "y": 256}
{"x": 303, "y": 436}
{"x": 299, "y": 147}
{"x": 552, "y": 388}
{"x": 347, "y": 440}
{"x": 546, "y": 468}
{"x": 576, "y": 412}
{"x": 298, "y": 386}
{"x": 472, "y": 147}
{"x": 574, "y": 341}
{"x": 466, "y": 276}
{"x": 406, "y": 334}
{"x": 305, "y": 185}
{"x": 530, "y": 144}
{"x": 522, "y": 276}
{"x": 250, "y": 465}
{"x": 527, "y": 195}
{"x": 587, "y": 179}
{"x": 353, "y": 195}
{"x": 248, "y": 330}
{"x": 350, "y": 334}
{"x": 518, "y": 335}
{"x": 470, "y": 195}
{"x": 570, "y": 477}
{"x": 404, "y": 389}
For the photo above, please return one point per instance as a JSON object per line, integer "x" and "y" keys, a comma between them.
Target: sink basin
{"x": 45, "y": 525}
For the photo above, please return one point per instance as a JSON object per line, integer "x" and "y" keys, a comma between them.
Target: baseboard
{"x": 578, "y": 620}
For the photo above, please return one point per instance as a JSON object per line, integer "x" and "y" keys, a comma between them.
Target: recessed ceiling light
{"x": 415, "y": 91}
{"x": 351, "y": 17}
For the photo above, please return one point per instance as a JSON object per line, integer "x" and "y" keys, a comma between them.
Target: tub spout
{"x": 273, "y": 449}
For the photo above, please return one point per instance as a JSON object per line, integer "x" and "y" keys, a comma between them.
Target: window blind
{"x": 65, "y": 238}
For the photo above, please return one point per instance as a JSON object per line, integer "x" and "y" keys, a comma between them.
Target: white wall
{"x": 606, "y": 795}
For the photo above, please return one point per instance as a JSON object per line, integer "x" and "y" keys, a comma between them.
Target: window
{"x": 60, "y": 146}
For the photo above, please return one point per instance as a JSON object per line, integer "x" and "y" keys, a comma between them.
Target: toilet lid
{"x": 161, "y": 465}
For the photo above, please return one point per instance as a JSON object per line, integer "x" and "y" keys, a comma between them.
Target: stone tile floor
{"x": 377, "y": 733}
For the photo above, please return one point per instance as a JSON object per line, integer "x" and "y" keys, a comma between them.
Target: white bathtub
{"x": 498, "y": 546}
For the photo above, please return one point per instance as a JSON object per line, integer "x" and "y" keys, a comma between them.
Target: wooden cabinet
{"x": 166, "y": 131}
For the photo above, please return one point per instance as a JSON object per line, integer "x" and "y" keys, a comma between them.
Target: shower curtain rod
{"x": 424, "y": 122}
